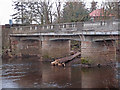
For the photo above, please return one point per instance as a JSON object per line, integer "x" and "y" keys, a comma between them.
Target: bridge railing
{"x": 107, "y": 25}
{"x": 62, "y": 27}
{"x": 88, "y": 27}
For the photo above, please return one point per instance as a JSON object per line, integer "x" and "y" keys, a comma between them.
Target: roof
{"x": 98, "y": 12}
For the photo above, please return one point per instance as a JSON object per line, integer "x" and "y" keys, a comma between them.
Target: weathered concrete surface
{"x": 0, "y": 57}
{"x": 55, "y": 49}
{"x": 92, "y": 47}
{"x": 5, "y": 38}
{"x": 22, "y": 47}
{"x": 35, "y": 46}
{"x": 118, "y": 50}
{"x": 99, "y": 52}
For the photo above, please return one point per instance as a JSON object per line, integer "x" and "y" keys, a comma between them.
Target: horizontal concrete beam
{"x": 107, "y": 39}
{"x": 34, "y": 39}
{"x": 70, "y": 34}
{"x": 61, "y": 39}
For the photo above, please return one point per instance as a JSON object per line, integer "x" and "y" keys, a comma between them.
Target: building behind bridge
{"x": 100, "y": 14}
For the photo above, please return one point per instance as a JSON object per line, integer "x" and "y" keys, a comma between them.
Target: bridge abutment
{"x": 25, "y": 47}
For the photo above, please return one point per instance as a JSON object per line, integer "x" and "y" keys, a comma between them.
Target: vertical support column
{"x": 98, "y": 52}
{"x": 14, "y": 43}
{"x": 55, "y": 49}
{"x": 118, "y": 50}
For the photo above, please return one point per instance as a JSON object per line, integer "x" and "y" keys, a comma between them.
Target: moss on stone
{"x": 86, "y": 61}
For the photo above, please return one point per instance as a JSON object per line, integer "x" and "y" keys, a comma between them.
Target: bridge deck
{"x": 70, "y": 34}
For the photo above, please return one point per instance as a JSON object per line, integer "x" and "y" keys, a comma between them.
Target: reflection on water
{"x": 32, "y": 73}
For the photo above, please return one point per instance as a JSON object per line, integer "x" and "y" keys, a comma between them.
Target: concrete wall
{"x": 99, "y": 52}
{"x": 55, "y": 49}
{"x": 0, "y": 57}
{"x": 5, "y": 38}
{"x": 118, "y": 50}
{"x": 56, "y": 28}
{"x": 22, "y": 47}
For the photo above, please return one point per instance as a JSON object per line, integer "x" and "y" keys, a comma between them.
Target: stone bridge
{"x": 99, "y": 41}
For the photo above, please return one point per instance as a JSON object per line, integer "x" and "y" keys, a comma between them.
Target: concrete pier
{"x": 99, "y": 52}
{"x": 55, "y": 49}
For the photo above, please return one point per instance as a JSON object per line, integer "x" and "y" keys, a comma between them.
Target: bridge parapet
{"x": 108, "y": 25}
{"x": 74, "y": 27}
{"x": 62, "y": 27}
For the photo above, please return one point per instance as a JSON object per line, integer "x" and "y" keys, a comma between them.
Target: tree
{"x": 44, "y": 11}
{"x": 28, "y": 12}
{"x": 21, "y": 12}
{"x": 93, "y": 6}
{"x": 74, "y": 11}
{"x": 112, "y": 8}
{"x": 58, "y": 13}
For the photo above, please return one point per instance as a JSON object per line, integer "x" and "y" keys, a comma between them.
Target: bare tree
{"x": 21, "y": 12}
{"x": 58, "y": 14}
{"x": 111, "y": 9}
{"x": 28, "y": 12}
{"x": 93, "y": 5}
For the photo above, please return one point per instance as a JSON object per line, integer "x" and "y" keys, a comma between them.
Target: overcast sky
{"x": 6, "y": 10}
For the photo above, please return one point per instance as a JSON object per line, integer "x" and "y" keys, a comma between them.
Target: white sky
{"x": 6, "y": 10}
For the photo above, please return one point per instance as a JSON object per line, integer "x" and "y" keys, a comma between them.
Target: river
{"x": 32, "y": 73}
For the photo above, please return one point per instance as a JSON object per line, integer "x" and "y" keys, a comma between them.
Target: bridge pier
{"x": 99, "y": 52}
{"x": 55, "y": 49}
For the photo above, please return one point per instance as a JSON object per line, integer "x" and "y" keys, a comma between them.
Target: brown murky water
{"x": 32, "y": 73}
